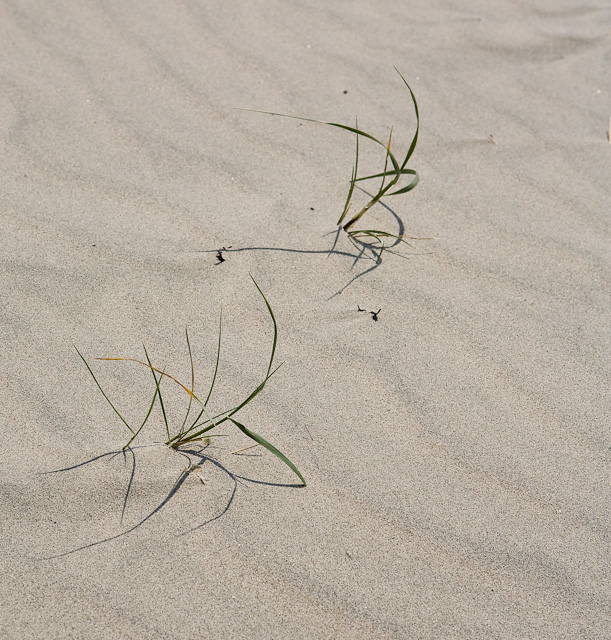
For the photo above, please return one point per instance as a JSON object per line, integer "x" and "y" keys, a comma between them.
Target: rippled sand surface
{"x": 457, "y": 451}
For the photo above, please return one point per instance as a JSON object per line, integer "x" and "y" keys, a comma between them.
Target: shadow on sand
{"x": 196, "y": 459}
{"x": 364, "y": 252}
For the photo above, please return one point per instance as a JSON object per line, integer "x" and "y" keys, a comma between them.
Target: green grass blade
{"x": 353, "y": 179}
{"x": 331, "y": 124}
{"x": 410, "y": 186}
{"x": 412, "y": 146}
{"x": 181, "y": 438}
{"x": 147, "y": 415}
{"x": 184, "y": 422}
{"x": 271, "y": 313}
{"x": 270, "y": 447}
{"x": 225, "y": 415}
{"x": 378, "y": 196}
{"x": 187, "y": 436}
{"x": 165, "y": 417}
{"x": 402, "y": 172}
{"x": 191, "y": 433}
{"x": 102, "y": 390}
{"x": 218, "y": 356}
{"x": 216, "y": 369}
{"x": 253, "y": 395}
{"x": 346, "y": 127}
{"x": 215, "y": 421}
{"x": 397, "y": 170}
{"x": 386, "y": 161}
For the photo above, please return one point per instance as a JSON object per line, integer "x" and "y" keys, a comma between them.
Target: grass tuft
{"x": 198, "y": 429}
{"x": 390, "y": 177}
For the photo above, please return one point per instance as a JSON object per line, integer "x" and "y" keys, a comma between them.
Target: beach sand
{"x": 457, "y": 451}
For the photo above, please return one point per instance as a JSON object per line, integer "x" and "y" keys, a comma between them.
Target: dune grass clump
{"x": 389, "y": 177}
{"x": 193, "y": 430}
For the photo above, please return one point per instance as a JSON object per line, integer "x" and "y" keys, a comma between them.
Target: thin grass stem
{"x": 353, "y": 179}
{"x": 192, "y": 380}
{"x": 147, "y": 415}
{"x": 165, "y": 417}
{"x": 102, "y": 390}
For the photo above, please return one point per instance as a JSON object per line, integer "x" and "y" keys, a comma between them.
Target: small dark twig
{"x": 219, "y": 254}
{"x": 374, "y": 314}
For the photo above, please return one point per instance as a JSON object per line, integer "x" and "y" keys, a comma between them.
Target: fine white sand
{"x": 457, "y": 451}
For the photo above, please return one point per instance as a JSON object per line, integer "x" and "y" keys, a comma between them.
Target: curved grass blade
{"x": 352, "y": 181}
{"x": 271, "y": 313}
{"x": 218, "y": 356}
{"x": 331, "y": 124}
{"x": 412, "y": 146}
{"x": 102, "y": 390}
{"x": 270, "y": 447}
{"x": 410, "y": 186}
{"x": 377, "y": 235}
{"x": 382, "y": 191}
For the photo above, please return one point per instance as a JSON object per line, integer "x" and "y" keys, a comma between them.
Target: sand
{"x": 457, "y": 451}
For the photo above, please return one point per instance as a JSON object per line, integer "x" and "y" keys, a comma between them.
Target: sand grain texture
{"x": 457, "y": 451}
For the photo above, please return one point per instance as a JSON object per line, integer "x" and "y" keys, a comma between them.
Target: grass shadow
{"x": 364, "y": 251}
{"x": 196, "y": 459}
